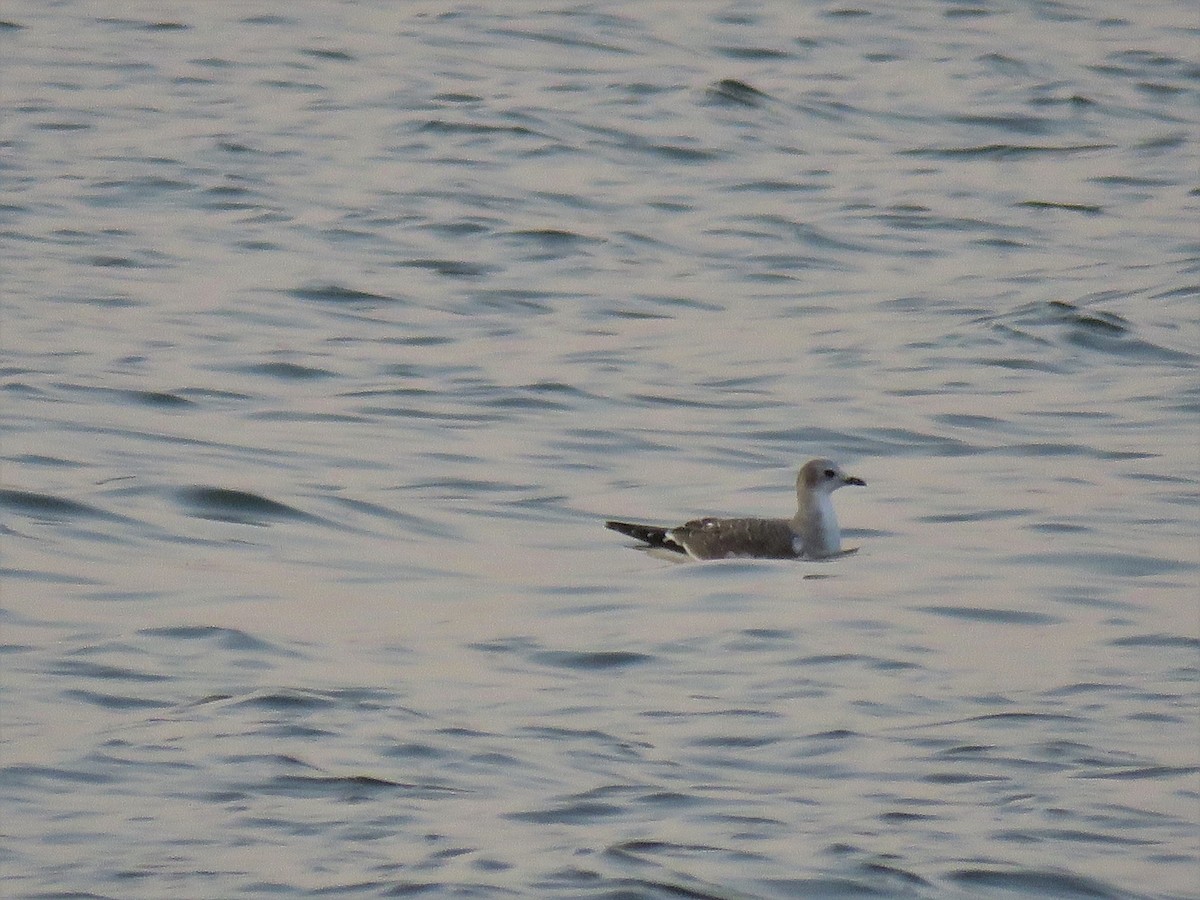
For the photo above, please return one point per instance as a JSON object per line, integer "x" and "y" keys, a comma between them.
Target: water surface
{"x": 332, "y": 333}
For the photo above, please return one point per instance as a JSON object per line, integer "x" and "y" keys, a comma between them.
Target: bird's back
{"x": 712, "y": 538}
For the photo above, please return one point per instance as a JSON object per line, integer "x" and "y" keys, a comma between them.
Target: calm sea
{"x": 332, "y": 332}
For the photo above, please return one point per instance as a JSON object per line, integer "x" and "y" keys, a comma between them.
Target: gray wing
{"x": 723, "y": 538}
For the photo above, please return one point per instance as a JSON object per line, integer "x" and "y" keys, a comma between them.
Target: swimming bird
{"x": 812, "y": 533}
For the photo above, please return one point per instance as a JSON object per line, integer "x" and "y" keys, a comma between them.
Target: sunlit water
{"x": 332, "y": 333}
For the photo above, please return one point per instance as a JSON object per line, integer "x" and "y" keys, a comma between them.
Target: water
{"x": 332, "y": 332}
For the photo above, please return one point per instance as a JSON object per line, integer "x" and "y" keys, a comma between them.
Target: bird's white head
{"x": 823, "y": 476}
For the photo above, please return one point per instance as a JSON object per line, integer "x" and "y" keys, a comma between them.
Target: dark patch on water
{"x": 352, "y": 788}
{"x": 993, "y": 616}
{"x": 290, "y": 700}
{"x": 57, "y": 779}
{"x": 1083, "y": 208}
{"x": 326, "y": 54}
{"x": 1179, "y": 641}
{"x": 42, "y": 577}
{"x": 596, "y": 660}
{"x": 1036, "y": 883}
{"x": 51, "y": 508}
{"x": 731, "y": 92}
{"x": 1124, "y": 565}
{"x": 417, "y": 751}
{"x": 78, "y": 668}
{"x": 225, "y": 638}
{"x": 963, "y": 778}
{"x": 828, "y": 886}
{"x": 577, "y": 813}
{"x": 1088, "y": 329}
{"x": 979, "y": 515}
{"x": 449, "y": 268}
{"x": 162, "y": 399}
{"x": 1059, "y": 528}
{"x": 827, "y": 659}
{"x": 117, "y": 701}
{"x": 1041, "y": 835}
{"x": 734, "y": 742}
{"x": 1018, "y": 124}
{"x": 239, "y": 507}
{"x": 1143, "y": 772}
{"x": 287, "y": 371}
{"x": 1007, "y": 151}
{"x": 336, "y": 293}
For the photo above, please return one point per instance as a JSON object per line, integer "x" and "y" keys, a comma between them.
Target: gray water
{"x": 332, "y": 332}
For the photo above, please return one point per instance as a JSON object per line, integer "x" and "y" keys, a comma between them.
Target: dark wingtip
{"x": 630, "y": 529}
{"x": 653, "y": 535}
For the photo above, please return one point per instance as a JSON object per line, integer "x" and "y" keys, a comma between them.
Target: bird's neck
{"x": 817, "y": 525}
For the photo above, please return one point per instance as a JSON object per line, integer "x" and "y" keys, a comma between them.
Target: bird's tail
{"x": 652, "y": 535}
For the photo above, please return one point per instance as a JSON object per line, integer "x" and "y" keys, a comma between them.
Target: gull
{"x": 812, "y": 533}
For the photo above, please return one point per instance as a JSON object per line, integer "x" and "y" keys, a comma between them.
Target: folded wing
{"x": 724, "y": 538}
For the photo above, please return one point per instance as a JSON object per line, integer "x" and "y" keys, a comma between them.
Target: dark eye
{"x": 829, "y": 473}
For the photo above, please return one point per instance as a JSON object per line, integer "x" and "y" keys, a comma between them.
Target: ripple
{"x": 450, "y": 268}
{"x": 1040, "y": 883}
{"x": 336, "y": 293}
{"x": 994, "y": 616}
{"x": 117, "y": 701}
{"x": 351, "y": 788}
{"x": 225, "y": 638}
{"x": 289, "y": 700}
{"x": 590, "y": 660}
{"x": 240, "y": 507}
{"x": 580, "y": 812}
{"x": 78, "y": 668}
{"x": 51, "y": 508}
{"x": 1087, "y": 329}
{"x": 57, "y": 778}
{"x": 1008, "y": 151}
{"x": 1179, "y": 641}
{"x": 1127, "y": 565}
{"x": 1143, "y": 772}
{"x": 287, "y": 371}
{"x": 731, "y": 92}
